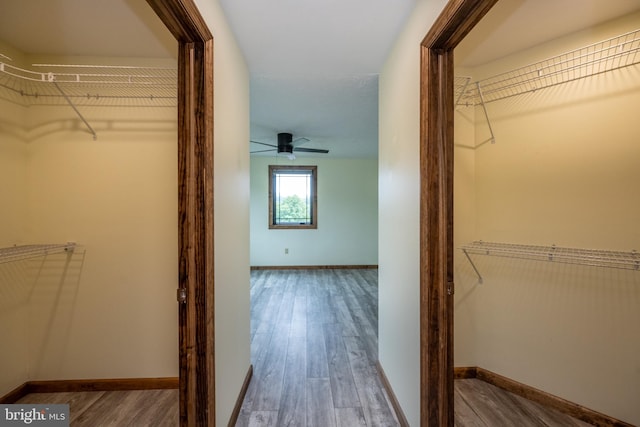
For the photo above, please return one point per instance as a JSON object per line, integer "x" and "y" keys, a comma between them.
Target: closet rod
{"x": 588, "y": 257}
{"x": 22, "y": 252}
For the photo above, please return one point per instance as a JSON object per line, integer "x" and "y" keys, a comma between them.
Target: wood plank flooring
{"x": 115, "y": 408}
{"x": 480, "y": 404}
{"x": 314, "y": 348}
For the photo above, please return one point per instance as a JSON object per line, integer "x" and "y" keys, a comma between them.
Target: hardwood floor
{"x": 115, "y": 408}
{"x": 314, "y": 349}
{"x": 480, "y": 404}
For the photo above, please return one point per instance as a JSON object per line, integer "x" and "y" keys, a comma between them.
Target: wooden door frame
{"x": 195, "y": 209}
{"x": 436, "y": 206}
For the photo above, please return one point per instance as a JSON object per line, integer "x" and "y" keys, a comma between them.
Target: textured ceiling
{"x": 314, "y": 64}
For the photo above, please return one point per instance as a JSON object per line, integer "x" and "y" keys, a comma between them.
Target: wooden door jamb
{"x": 195, "y": 209}
{"x": 436, "y": 207}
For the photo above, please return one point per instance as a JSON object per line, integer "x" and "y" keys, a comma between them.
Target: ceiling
{"x": 116, "y": 28}
{"x": 513, "y": 25}
{"x": 314, "y": 64}
{"x": 314, "y": 68}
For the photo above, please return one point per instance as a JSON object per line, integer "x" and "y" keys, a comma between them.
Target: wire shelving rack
{"x": 589, "y": 257}
{"x": 607, "y": 55}
{"x": 89, "y": 85}
{"x": 24, "y": 252}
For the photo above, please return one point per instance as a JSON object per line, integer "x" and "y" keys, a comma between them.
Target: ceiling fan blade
{"x": 264, "y": 143}
{"x": 262, "y": 151}
{"x": 299, "y": 141}
{"x": 310, "y": 150}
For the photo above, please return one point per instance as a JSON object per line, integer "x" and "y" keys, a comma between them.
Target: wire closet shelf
{"x": 608, "y": 55}
{"x": 24, "y": 252}
{"x": 588, "y": 257}
{"x": 89, "y": 85}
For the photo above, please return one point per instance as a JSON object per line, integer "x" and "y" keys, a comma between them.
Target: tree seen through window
{"x": 292, "y": 201}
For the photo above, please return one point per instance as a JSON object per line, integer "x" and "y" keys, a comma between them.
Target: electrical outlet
{"x": 286, "y": 251}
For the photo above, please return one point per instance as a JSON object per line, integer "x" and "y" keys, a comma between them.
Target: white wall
{"x": 347, "y": 232}
{"x": 399, "y": 212}
{"x": 564, "y": 170}
{"x": 231, "y": 211}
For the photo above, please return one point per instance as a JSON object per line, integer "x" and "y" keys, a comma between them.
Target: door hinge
{"x": 182, "y": 295}
{"x": 450, "y": 288}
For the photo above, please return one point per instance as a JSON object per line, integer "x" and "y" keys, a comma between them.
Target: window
{"x": 292, "y": 197}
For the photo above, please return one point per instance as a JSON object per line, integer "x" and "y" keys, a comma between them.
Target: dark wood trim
{"x": 314, "y": 267}
{"x": 110, "y": 384}
{"x": 456, "y": 20}
{"x": 182, "y": 18}
{"x": 465, "y": 373}
{"x": 436, "y": 207}
{"x": 243, "y": 392}
{"x": 392, "y": 396}
{"x": 15, "y": 394}
{"x": 195, "y": 209}
{"x": 59, "y": 386}
{"x": 546, "y": 399}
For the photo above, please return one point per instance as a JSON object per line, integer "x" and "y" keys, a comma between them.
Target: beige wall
{"x": 13, "y": 174}
{"x": 117, "y": 198}
{"x": 14, "y": 283}
{"x": 464, "y": 214}
{"x": 564, "y": 170}
{"x": 231, "y": 212}
{"x": 398, "y": 221}
{"x": 108, "y": 311}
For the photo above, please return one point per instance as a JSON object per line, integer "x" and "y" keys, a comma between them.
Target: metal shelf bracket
{"x": 93, "y": 132}
{"x": 480, "y": 281}
{"x": 486, "y": 115}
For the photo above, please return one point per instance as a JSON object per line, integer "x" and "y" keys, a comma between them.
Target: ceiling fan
{"x": 286, "y": 144}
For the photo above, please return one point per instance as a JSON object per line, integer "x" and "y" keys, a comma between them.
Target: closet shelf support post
{"x": 473, "y": 265}
{"x": 486, "y": 115}
{"x": 93, "y": 132}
